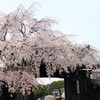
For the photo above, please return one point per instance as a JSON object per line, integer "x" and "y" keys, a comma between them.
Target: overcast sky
{"x": 78, "y": 17}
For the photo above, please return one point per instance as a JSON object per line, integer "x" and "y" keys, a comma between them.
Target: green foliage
{"x": 40, "y": 91}
{"x": 55, "y": 85}
{"x": 43, "y": 90}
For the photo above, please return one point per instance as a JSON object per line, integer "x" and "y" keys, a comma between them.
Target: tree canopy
{"x": 26, "y": 42}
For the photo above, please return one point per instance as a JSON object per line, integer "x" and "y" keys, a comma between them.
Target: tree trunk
{"x": 19, "y": 96}
{"x": 5, "y": 93}
{"x": 26, "y": 95}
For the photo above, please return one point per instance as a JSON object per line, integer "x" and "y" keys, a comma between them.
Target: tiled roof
{"x": 96, "y": 82}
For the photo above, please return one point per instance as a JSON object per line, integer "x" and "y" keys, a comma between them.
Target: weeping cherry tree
{"x": 26, "y": 42}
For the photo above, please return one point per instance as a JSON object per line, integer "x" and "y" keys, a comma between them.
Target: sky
{"x": 77, "y": 17}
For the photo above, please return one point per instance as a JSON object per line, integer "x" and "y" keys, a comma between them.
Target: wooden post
{"x": 65, "y": 79}
{"x": 68, "y": 88}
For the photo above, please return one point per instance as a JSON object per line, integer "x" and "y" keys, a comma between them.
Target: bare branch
{"x": 23, "y": 29}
